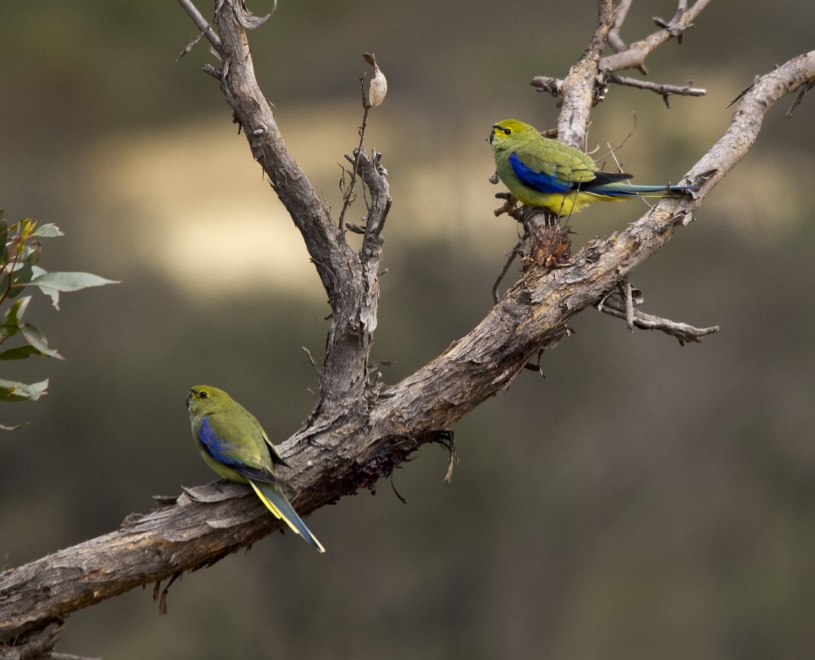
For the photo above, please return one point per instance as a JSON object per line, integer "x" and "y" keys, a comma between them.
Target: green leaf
{"x": 20, "y": 279}
{"x": 8, "y": 331}
{"x": 70, "y": 281}
{"x": 38, "y": 341}
{"x": 12, "y": 391}
{"x": 52, "y": 283}
{"x": 26, "y": 227}
{"x": 14, "y": 314}
{"x": 19, "y": 353}
{"x": 23, "y": 271}
{"x": 48, "y": 230}
{"x": 3, "y": 427}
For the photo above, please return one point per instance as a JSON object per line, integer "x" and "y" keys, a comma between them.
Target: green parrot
{"x": 234, "y": 444}
{"x": 546, "y": 173}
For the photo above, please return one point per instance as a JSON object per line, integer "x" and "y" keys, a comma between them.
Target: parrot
{"x": 234, "y": 444}
{"x": 542, "y": 172}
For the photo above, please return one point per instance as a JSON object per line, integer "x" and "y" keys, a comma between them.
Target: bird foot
{"x": 510, "y": 202}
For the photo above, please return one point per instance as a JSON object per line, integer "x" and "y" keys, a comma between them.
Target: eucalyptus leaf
{"x": 34, "y": 337}
{"x": 3, "y": 427}
{"x": 49, "y": 230}
{"x": 52, "y": 283}
{"x": 22, "y": 276}
{"x": 19, "y": 353}
{"x": 13, "y": 391}
{"x": 70, "y": 281}
{"x": 11, "y": 326}
{"x": 14, "y": 314}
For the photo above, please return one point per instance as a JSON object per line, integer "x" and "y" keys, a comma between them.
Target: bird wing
{"x": 275, "y": 455}
{"x": 227, "y": 444}
{"x": 551, "y": 167}
{"x": 245, "y": 459}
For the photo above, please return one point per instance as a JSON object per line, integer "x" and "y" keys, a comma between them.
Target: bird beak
{"x": 492, "y": 135}
{"x": 189, "y": 398}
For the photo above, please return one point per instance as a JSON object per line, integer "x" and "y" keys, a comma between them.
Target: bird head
{"x": 206, "y": 399}
{"x": 506, "y": 129}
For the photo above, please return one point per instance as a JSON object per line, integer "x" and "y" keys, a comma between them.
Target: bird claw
{"x": 508, "y": 206}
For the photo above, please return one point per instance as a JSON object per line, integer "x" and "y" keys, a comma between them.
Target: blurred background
{"x": 642, "y": 501}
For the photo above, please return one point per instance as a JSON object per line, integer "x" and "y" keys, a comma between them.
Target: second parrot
{"x": 542, "y": 172}
{"x": 234, "y": 444}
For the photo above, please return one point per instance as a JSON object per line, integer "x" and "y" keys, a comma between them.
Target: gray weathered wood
{"x": 359, "y": 432}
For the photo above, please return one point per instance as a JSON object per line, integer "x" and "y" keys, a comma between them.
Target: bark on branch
{"x": 360, "y": 430}
{"x": 633, "y": 57}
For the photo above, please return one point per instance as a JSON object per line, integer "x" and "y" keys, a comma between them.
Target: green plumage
{"x": 233, "y": 443}
{"x": 542, "y": 172}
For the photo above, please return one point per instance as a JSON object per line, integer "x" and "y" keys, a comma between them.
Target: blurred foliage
{"x": 643, "y": 500}
{"x": 19, "y": 255}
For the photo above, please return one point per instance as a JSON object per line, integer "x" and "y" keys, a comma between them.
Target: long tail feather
{"x": 629, "y": 190}
{"x": 277, "y": 503}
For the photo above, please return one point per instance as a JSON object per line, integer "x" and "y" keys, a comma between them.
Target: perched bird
{"x": 234, "y": 444}
{"x": 547, "y": 173}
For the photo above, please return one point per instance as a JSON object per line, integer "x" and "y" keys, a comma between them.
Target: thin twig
{"x": 613, "y": 150}
{"x": 634, "y": 56}
{"x": 396, "y": 492}
{"x": 663, "y": 90}
{"x": 616, "y": 307}
{"x": 515, "y": 252}
{"x": 348, "y": 195}
{"x": 798, "y": 98}
{"x": 202, "y": 24}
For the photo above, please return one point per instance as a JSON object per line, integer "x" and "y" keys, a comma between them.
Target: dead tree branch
{"x": 634, "y": 56}
{"x": 614, "y": 39}
{"x": 359, "y": 432}
{"x": 663, "y": 90}
{"x": 592, "y": 75}
{"x": 614, "y": 306}
{"x": 579, "y": 89}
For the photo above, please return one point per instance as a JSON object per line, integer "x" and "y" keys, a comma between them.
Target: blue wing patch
{"x": 540, "y": 181}
{"x": 215, "y": 446}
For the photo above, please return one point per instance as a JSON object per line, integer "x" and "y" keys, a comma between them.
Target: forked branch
{"x": 358, "y": 433}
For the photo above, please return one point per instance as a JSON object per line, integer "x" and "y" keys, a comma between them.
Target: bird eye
{"x": 203, "y": 395}
{"x": 507, "y": 131}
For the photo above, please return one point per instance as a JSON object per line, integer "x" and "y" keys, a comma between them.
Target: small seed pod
{"x": 379, "y": 86}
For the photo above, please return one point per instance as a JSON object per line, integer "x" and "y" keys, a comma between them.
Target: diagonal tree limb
{"x": 202, "y": 24}
{"x": 354, "y": 448}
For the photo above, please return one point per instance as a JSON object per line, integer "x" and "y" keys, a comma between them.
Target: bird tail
{"x": 628, "y": 190}
{"x": 276, "y": 502}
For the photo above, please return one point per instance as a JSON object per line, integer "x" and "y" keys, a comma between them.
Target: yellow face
{"x": 204, "y": 397}
{"x": 504, "y": 129}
